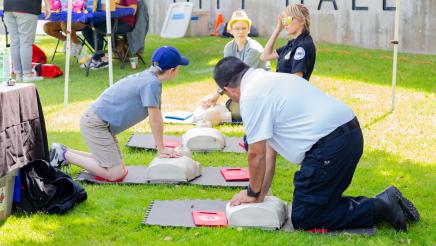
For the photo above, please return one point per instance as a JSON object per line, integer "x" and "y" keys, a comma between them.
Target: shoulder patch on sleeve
{"x": 299, "y": 53}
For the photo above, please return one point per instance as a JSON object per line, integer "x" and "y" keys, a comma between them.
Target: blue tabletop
{"x": 95, "y": 17}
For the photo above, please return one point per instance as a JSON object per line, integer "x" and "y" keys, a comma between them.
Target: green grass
{"x": 399, "y": 150}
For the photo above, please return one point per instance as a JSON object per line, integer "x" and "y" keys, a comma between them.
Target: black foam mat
{"x": 210, "y": 176}
{"x": 178, "y": 213}
{"x": 146, "y": 141}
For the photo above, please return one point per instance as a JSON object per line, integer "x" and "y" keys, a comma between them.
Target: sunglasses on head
{"x": 287, "y": 20}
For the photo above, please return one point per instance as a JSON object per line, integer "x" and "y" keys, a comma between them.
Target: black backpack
{"x": 46, "y": 189}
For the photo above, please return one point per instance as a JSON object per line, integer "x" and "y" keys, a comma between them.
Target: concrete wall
{"x": 372, "y": 27}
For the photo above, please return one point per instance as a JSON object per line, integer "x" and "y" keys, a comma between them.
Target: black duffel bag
{"x": 46, "y": 189}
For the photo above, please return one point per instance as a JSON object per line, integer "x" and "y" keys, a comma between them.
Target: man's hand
{"x": 169, "y": 153}
{"x": 210, "y": 100}
{"x": 242, "y": 198}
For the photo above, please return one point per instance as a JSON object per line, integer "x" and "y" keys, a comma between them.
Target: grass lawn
{"x": 399, "y": 150}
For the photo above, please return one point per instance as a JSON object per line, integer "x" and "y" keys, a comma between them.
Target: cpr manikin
{"x": 215, "y": 115}
{"x": 203, "y": 139}
{"x": 272, "y": 213}
{"x": 182, "y": 169}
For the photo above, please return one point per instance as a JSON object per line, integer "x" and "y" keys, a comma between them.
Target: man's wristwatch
{"x": 251, "y": 193}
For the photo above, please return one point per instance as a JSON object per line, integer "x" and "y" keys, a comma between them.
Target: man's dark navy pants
{"x": 325, "y": 174}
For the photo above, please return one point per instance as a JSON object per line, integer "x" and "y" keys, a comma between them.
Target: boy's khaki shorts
{"x": 101, "y": 143}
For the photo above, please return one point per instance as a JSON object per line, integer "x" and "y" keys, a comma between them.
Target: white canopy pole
{"x": 109, "y": 41}
{"x": 67, "y": 59}
{"x": 395, "y": 42}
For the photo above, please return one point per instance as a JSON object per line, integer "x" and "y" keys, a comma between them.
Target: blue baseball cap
{"x": 167, "y": 57}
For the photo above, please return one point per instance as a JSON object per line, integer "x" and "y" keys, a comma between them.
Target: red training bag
{"x": 47, "y": 70}
{"x": 38, "y": 56}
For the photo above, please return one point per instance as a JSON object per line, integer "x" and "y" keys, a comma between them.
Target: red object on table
{"x": 208, "y": 218}
{"x": 235, "y": 174}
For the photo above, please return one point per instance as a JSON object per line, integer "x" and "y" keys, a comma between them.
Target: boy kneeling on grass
{"x": 118, "y": 108}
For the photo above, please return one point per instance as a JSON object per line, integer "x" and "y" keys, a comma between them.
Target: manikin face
{"x": 292, "y": 24}
{"x": 240, "y": 30}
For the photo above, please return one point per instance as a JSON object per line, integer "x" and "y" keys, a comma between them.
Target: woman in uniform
{"x": 298, "y": 55}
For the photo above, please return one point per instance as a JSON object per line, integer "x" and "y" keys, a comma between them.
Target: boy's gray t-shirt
{"x": 250, "y": 54}
{"x": 126, "y": 103}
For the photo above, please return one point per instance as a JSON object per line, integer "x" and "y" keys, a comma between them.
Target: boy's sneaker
{"x": 57, "y": 157}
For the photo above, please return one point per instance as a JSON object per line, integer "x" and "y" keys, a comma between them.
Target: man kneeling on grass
{"x": 285, "y": 114}
{"x": 118, "y": 108}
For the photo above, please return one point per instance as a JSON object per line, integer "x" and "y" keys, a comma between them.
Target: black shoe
{"x": 409, "y": 209}
{"x": 394, "y": 215}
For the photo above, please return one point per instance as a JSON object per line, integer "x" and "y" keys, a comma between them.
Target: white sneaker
{"x": 27, "y": 79}
{"x": 57, "y": 157}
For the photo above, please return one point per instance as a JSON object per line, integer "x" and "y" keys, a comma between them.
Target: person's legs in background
{"x": 26, "y": 30}
{"x": 99, "y": 60}
{"x": 76, "y": 44}
{"x": 120, "y": 29}
{"x": 53, "y": 28}
{"x": 11, "y": 23}
{"x": 123, "y": 27}
{"x": 88, "y": 33}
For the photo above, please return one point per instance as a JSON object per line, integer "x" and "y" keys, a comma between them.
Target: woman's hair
{"x": 301, "y": 12}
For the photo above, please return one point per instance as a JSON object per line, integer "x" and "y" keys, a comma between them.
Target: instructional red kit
{"x": 208, "y": 218}
{"x": 235, "y": 174}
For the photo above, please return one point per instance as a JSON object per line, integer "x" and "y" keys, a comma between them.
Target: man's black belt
{"x": 340, "y": 130}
